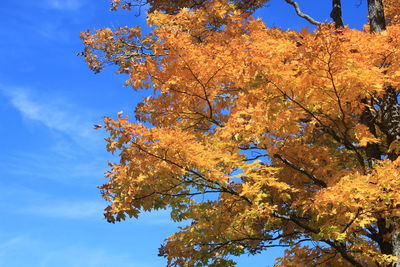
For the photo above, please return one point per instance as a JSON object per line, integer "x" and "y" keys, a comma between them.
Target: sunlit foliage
{"x": 259, "y": 137}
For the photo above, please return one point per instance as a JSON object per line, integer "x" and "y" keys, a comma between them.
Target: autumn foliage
{"x": 257, "y": 137}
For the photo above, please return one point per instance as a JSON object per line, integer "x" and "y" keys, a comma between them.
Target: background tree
{"x": 259, "y": 137}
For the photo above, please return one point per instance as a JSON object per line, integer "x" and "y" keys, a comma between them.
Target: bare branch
{"x": 301, "y": 14}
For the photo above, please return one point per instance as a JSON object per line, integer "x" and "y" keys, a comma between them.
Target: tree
{"x": 259, "y": 137}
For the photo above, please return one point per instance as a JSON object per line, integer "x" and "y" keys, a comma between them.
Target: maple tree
{"x": 259, "y": 137}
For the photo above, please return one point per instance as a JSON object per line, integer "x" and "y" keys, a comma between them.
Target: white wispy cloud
{"x": 31, "y": 202}
{"x": 34, "y": 202}
{"x": 65, "y": 4}
{"x": 78, "y": 256}
{"x": 52, "y": 30}
{"x": 66, "y": 209}
{"x": 83, "y": 210}
{"x": 59, "y": 114}
{"x": 60, "y": 167}
{"x": 11, "y": 246}
{"x": 71, "y": 254}
{"x": 55, "y": 114}
{"x": 74, "y": 150}
{"x": 12, "y": 242}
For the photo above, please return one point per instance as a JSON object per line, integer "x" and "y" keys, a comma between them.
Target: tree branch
{"x": 302, "y": 170}
{"x": 221, "y": 187}
{"x": 296, "y": 221}
{"x": 340, "y": 247}
{"x": 301, "y": 14}
{"x": 327, "y": 129}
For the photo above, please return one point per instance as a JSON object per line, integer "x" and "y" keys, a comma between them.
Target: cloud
{"x": 55, "y": 114}
{"x": 73, "y": 150}
{"x": 53, "y": 30}
{"x": 67, "y": 169}
{"x": 37, "y": 252}
{"x": 78, "y": 210}
{"x": 45, "y": 205}
{"x": 11, "y": 247}
{"x": 78, "y": 256}
{"x": 60, "y": 115}
{"x": 65, "y": 4}
{"x": 13, "y": 196}
{"x": 10, "y": 243}
{"x": 33, "y": 201}
{"x": 66, "y": 209}
{"x": 158, "y": 217}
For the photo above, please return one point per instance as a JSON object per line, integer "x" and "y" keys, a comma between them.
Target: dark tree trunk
{"x": 390, "y": 117}
{"x": 336, "y": 13}
{"x": 389, "y": 123}
{"x": 372, "y": 150}
{"x": 376, "y": 16}
{"x": 385, "y": 245}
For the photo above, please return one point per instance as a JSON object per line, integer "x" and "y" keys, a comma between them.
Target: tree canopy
{"x": 258, "y": 137}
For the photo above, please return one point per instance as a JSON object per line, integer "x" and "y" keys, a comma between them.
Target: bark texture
{"x": 396, "y": 247}
{"x": 336, "y": 13}
{"x": 376, "y": 16}
{"x": 389, "y": 121}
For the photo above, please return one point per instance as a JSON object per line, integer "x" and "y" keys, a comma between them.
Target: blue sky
{"x": 52, "y": 160}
